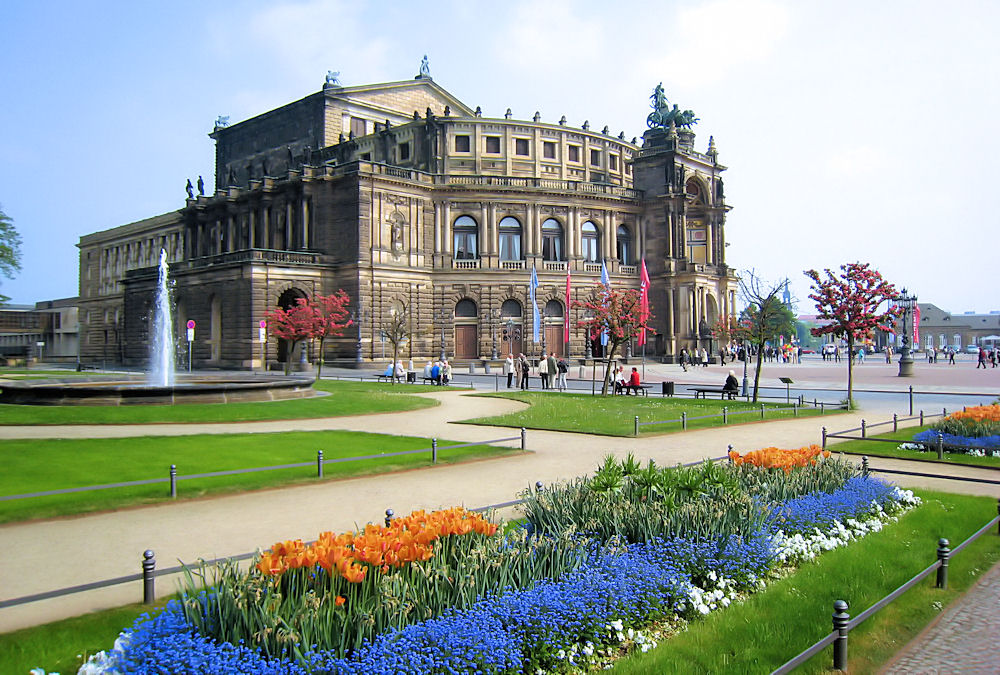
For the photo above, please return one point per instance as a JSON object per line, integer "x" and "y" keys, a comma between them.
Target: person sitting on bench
{"x": 634, "y": 383}
{"x": 731, "y": 386}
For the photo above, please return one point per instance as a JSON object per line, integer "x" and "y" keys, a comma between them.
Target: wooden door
{"x": 466, "y": 342}
{"x": 554, "y": 340}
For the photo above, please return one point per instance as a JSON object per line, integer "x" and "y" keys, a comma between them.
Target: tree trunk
{"x": 607, "y": 368}
{"x": 288, "y": 357}
{"x": 756, "y": 375}
{"x": 850, "y": 371}
{"x": 395, "y": 355}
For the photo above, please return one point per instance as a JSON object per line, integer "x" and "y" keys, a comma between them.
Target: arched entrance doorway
{"x": 554, "y": 334}
{"x": 466, "y": 330}
{"x": 286, "y": 301}
{"x": 510, "y": 327}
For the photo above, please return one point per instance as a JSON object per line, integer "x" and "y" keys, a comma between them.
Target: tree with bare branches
{"x": 764, "y": 319}
{"x": 396, "y": 328}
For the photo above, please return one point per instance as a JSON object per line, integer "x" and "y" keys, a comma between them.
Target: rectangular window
{"x": 613, "y": 162}
{"x": 548, "y": 149}
{"x": 404, "y": 151}
{"x": 493, "y": 145}
{"x": 367, "y": 157}
{"x": 357, "y": 126}
{"x": 595, "y": 157}
{"x": 462, "y": 144}
{"x": 521, "y": 147}
{"x": 573, "y": 152}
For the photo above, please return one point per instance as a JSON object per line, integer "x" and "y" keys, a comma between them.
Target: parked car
{"x": 972, "y": 349}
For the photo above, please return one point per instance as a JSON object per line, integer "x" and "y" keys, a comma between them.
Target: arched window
{"x": 553, "y": 308}
{"x": 590, "y": 242}
{"x": 626, "y": 255}
{"x": 552, "y": 240}
{"x": 466, "y": 238}
{"x": 465, "y": 309}
{"x": 510, "y": 308}
{"x": 510, "y": 239}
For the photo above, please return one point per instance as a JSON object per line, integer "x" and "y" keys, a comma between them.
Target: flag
{"x": 535, "y": 317}
{"x": 916, "y": 325}
{"x": 643, "y": 303}
{"x": 566, "y": 313}
{"x": 606, "y": 281}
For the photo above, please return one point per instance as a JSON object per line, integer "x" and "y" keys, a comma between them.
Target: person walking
{"x": 684, "y": 359}
{"x": 525, "y": 371}
{"x": 888, "y": 353}
{"x": 543, "y": 371}
{"x": 982, "y": 359}
{"x": 951, "y": 357}
{"x": 704, "y": 358}
{"x": 508, "y": 369}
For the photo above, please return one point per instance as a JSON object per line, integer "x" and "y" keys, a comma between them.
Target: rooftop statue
{"x": 663, "y": 114}
{"x": 332, "y": 78}
{"x": 425, "y": 68}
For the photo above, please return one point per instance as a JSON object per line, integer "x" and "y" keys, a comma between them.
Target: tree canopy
{"x": 10, "y": 249}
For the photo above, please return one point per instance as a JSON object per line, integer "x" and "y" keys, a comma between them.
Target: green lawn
{"x": 881, "y": 449}
{"x": 771, "y": 627}
{"x": 39, "y": 465}
{"x": 346, "y": 398}
{"x": 615, "y": 415}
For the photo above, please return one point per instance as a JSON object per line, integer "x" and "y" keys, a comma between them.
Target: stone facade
{"x": 435, "y": 211}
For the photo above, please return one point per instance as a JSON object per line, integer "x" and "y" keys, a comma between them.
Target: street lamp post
{"x": 907, "y": 302}
{"x": 358, "y": 319}
{"x": 494, "y": 317}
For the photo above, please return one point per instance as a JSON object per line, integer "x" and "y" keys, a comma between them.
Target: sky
{"x": 854, "y": 131}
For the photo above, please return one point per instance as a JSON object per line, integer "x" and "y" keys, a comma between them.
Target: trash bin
{"x": 668, "y": 388}
{"x": 411, "y": 377}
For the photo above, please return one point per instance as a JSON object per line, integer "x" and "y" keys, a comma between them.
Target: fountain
{"x": 160, "y": 385}
{"x": 161, "y": 371}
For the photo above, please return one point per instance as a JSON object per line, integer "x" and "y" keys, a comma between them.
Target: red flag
{"x": 566, "y": 313}
{"x": 643, "y": 302}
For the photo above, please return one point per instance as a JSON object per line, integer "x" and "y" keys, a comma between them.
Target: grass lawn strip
{"x": 346, "y": 398}
{"x": 882, "y": 449}
{"x": 40, "y": 465}
{"x": 615, "y": 415}
{"x": 771, "y": 627}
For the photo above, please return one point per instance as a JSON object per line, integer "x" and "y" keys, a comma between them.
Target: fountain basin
{"x": 106, "y": 391}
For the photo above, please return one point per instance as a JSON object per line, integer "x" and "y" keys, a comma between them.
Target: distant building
{"x": 942, "y": 329}
{"x": 410, "y": 200}
{"x": 47, "y": 330}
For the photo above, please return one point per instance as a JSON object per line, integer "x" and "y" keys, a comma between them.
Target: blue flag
{"x": 606, "y": 282}
{"x": 536, "y": 319}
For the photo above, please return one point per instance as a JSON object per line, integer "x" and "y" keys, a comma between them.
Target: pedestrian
{"x": 951, "y": 356}
{"x": 525, "y": 371}
{"x": 993, "y": 358}
{"x": 563, "y": 368}
{"x": 446, "y": 372}
{"x": 508, "y": 369}
{"x": 861, "y": 355}
{"x": 888, "y": 353}
{"x": 684, "y": 359}
{"x": 543, "y": 371}
{"x": 704, "y": 357}
{"x": 982, "y": 359}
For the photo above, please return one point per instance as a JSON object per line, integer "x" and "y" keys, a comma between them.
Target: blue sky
{"x": 853, "y": 131}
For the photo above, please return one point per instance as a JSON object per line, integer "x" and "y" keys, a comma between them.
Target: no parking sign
{"x": 190, "y": 327}
{"x": 263, "y": 331}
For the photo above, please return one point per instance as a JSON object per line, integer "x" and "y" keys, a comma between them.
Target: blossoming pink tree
{"x": 616, "y": 312}
{"x": 295, "y": 324}
{"x": 850, "y": 301}
{"x": 331, "y": 317}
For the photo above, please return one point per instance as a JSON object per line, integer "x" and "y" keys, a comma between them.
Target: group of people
{"x": 438, "y": 372}
{"x": 398, "y": 372}
{"x": 698, "y": 358}
{"x": 551, "y": 371}
{"x": 628, "y": 385}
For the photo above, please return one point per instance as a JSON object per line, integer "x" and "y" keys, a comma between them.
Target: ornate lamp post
{"x": 746, "y": 359}
{"x": 494, "y": 317}
{"x": 358, "y": 318}
{"x": 907, "y": 302}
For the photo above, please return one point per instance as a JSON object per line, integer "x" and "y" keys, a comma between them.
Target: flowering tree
{"x": 294, "y": 324}
{"x": 331, "y": 317}
{"x": 850, "y": 301}
{"x": 617, "y": 313}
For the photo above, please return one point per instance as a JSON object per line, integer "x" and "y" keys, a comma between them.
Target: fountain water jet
{"x": 161, "y": 372}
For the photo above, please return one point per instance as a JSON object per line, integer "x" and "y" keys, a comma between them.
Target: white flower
{"x": 703, "y": 608}
{"x": 560, "y": 655}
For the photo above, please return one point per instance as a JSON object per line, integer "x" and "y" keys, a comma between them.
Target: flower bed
{"x": 568, "y": 610}
{"x": 973, "y": 431}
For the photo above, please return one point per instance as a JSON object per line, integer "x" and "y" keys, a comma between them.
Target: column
{"x": 484, "y": 227}
{"x": 612, "y": 235}
{"x": 572, "y": 232}
{"x": 304, "y": 241}
{"x": 251, "y": 228}
{"x": 710, "y": 243}
{"x": 265, "y": 234}
{"x": 289, "y": 215}
{"x": 437, "y": 228}
{"x": 447, "y": 239}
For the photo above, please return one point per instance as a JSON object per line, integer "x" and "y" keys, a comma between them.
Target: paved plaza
{"x": 68, "y": 551}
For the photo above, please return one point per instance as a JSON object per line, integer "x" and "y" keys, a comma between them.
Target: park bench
{"x": 638, "y": 389}
{"x": 387, "y": 378}
{"x": 702, "y": 392}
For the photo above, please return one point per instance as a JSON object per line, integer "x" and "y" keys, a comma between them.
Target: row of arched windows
{"x": 466, "y": 235}
{"x": 467, "y": 309}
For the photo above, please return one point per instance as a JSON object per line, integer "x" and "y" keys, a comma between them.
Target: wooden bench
{"x": 637, "y": 388}
{"x": 702, "y": 392}
{"x": 388, "y": 378}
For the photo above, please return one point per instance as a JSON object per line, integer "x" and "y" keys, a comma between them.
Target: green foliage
{"x": 285, "y": 615}
{"x": 10, "y": 250}
{"x": 709, "y": 500}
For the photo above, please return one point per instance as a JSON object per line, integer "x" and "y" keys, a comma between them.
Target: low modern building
{"x": 47, "y": 330}
{"x": 412, "y": 201}
{"x": 942, "y": 329}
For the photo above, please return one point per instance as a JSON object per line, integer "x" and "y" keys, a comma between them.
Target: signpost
{"x": 190, "y": 336}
